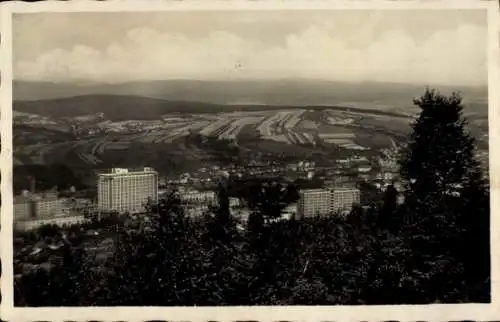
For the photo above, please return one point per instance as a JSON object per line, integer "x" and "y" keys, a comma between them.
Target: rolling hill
{"x": 126, "y": 107}
{"x": 290, "y": 92}
{"x": 114, "y": 107}
{"x": 149, "y": 99}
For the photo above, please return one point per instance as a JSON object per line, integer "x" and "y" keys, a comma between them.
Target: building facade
{"x": 199, "y": 197}
{"x": 23, "y": 208}
{"x": 321, "y": 202}
{"x": 313, "y": 202}
{"x": 66, "y": 220}
{"x": 42, "y": 205}
{"x": 34, "y": 210}
{"x": 342, "y": 199}
{"x": 122, "y": 190}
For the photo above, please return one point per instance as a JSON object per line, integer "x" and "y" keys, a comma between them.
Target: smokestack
{"x": 32, "y": 185}
{"x": 33, "y": 209}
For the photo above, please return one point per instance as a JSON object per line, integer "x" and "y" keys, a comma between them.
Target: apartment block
{"x": 40, "y": 205}
{"x": 200, "y": 197}
{"x": 32, "y": 210}
{"x": 325, "y": 201}
{"x": 342, "y": 199}
{"x": 313, "y": 202}
{"x": 125, "y": 190}
{"x": 66, "y": 220}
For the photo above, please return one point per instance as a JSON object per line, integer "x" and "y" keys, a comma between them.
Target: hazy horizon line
{"x": 242, "y": 80}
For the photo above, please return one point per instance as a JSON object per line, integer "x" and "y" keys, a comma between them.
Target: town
{"x": 127, "y": 192}
{"x": 249, "y": 158}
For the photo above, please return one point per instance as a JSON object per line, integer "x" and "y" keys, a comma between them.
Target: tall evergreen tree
{"x": 474, "y": 246}
{"x": 271, "y": 198}
{"x": 220, "y": 244}
{"x": 153, "y": 267}
{"x": 220, "y": 224}
{"x": 439, "y": 155}
{"x": 388, "y": 218}
{"x": 446, "y": 195}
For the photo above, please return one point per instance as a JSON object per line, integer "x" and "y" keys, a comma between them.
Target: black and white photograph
{"x": 221, "y": 158}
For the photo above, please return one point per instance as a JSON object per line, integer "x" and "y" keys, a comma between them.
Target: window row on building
{"x": 320, "y": 202}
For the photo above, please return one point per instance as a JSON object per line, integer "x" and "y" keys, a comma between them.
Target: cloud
{"x": 454, "y": 56}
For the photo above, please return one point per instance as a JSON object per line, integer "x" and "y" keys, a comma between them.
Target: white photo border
{"x": 434, "y": 312}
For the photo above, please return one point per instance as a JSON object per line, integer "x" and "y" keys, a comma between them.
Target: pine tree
{"x": 271, "y": 198}
{"x": 440, "y": 151}
{"x": 435, "y": 163}
{"x": 356, "y": 216}
{"x": 154, "y": 266}
{"x": 220, "y": 246}
{"x": 221, "y": 225}
{"x": 474, "y": 246}
{"x": 389, "y": 215}
{"x": 445, "y": 193}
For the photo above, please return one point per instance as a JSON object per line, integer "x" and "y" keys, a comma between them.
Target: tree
{"x": 356, "y": 216}
{"x": 219, "y": 242}
{"x": 445, "y": 194}
{"x": 269, "y": 199}
{"x": 474, "y": 222}
{"x": 389, "y": 212}
{"x": 220, "y": 223}
{"x": 154, "y": 267}
{"x": 436, "y": 161}
{"x": 66, "y": 283}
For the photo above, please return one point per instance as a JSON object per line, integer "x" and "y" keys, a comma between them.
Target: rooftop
{"x": 124, "y": 171}
{"x": 345, "y": 189}
{"x": 313, "y": 190}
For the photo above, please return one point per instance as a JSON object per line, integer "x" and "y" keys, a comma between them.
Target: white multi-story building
{"x": 123, "y": 190}
{"x": 195, "y": 196}
{"x": 313, "y": 202}
{"x": 343, "y": 199}
{"x": 320, "y": 202}
{"x": 39, "y": 205}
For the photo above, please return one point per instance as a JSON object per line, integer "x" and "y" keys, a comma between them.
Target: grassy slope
{"x": 121, "y": 107}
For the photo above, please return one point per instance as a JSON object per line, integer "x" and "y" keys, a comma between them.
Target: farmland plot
{"x": 117, "y": 146}
{"x": 333, "y": 136}
{"x": 304, "y": 138}
{"x": 183, "y": 131}
{"x": 290, "y": 138}
{"x": 390, "y": 124}
{"x": 237, "y": 125}
{"x": 149, "y": 137}
{"x": 308, "y": 125}
{"x": 97, "y": 146}
{"x": 278, "y": 124}
{"x": 212, "y": 128}
{"x": 170, "y": 137}
{"x": 265, "y": 128}
{"x": 338, "y": 141}
{"x": 293, "y": 120}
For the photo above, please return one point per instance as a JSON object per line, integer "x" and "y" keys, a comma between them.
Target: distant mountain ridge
{"x": 114, "y": 107}
{"x": 150, "y": 100}
{"x": 269, "y": 92}
{"x": 126, "y": 107}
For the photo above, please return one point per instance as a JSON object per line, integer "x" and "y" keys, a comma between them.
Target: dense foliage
{"x": 432, "y": 248}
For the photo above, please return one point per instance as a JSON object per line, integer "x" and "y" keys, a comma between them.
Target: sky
{"x": 408, "y": 46}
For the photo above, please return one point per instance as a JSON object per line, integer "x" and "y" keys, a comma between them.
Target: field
{"x": 181, "y": 142}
